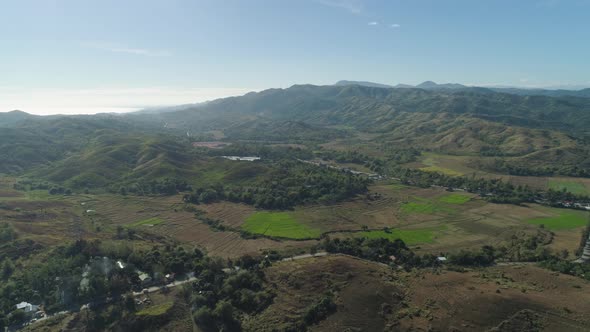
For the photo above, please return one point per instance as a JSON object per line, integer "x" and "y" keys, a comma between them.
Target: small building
{"x": 145, "y": 279}
{"x": 29, "y": 309}
{"x": 237, "y": 158}
{"x": 441, "y": 259}
{"x": 170, "y": 277}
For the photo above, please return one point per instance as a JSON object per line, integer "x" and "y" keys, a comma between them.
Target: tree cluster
{"x": 495, "y": 190}
{"x": 379, "y": 250}
{"x": 167, "y": 186}
{"x": 289, "y": 183}
{"x": 220, "y": 298}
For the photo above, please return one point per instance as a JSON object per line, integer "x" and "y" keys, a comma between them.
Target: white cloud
{"x": 373, "y": 23}
{"x": 110, "y": 47}
{"x": 395, "y": 25}
{"x": 352, "y": 6}
{"x": 100, "y": 100}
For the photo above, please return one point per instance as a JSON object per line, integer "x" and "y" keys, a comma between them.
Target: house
{"x": 237, "y": 158}
{"x": 145, "y": 279}
{"x": 29, "y": 309}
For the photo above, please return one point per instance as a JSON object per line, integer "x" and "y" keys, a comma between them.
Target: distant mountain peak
{"x": 363, "y": 83}
{"x": 432, "y": 85}
{"x": 427, "y": 84}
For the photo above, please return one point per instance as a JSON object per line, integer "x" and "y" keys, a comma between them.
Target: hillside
{"x": 541, "y": 130}
{"x": 373, "y": 109}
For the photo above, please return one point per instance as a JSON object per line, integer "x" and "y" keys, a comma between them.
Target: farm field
{"x": 463, "y": 165}
{"x": 278, "y": 224}
{"x": 147, "y": 222}
{"x": 575, "y": 187}
{"x": 455, "y": 198}
{"x": 564, "y": 219}
{"x": 177, "y": 223}
{"x": 432, "y": 219}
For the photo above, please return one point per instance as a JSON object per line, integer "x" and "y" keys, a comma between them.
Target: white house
{"x": 27, "y": 307}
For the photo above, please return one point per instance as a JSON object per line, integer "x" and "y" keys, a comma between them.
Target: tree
{"x": 6, "y": 269}
{"x": 204, "y": 318}
{"x": 130, "y": 302}
{"x": 17, "y": 317}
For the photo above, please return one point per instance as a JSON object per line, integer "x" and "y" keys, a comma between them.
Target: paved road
{"x": 170, "y": 285}
{"x": 294, "y": 258}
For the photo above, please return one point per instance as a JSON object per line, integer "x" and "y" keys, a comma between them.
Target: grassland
{"x": 571, "y": 186}
{"x": 437, "y": 163}
{"x": 421, "y": 300}
{"x": 409, "y": 236}
{"x": 396, "y": 186}
{"x": 278, "y": 224}
{"x": 156, "y": 310}
{"x": 564, "y": 219}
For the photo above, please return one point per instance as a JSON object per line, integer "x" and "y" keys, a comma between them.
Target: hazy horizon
{"x": 96, "y": 101}
{"x": 187, "y": 51}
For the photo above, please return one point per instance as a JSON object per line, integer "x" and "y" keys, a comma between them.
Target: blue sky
{"x": 86, "y": 56}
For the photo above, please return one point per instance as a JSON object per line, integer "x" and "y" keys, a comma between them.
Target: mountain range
{"x": 522, "y": 130}
{"x": 430, "y": 85}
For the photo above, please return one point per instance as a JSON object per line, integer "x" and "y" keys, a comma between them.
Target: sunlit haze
{"x": 85, "y": 57}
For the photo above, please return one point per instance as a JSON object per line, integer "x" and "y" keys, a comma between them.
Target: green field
{"x": 147, "y": 222}
{"x": 279, "y": 224}
{"x": 455, "y": 198}
{"x": 573, "y": 187}
{"x": 408, "y": 236}
{"x": 566, "y": 219}
{"x": 425, "y": 206}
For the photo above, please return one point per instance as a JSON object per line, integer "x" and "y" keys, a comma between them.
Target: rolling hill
{"x": 524, "y": 130}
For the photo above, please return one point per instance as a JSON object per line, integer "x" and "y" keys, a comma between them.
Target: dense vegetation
{"x": 496, "y": 190}
{"x": 288, "y": 183}
{"x": 220, "y": 298}
{"x": 380, "y": 250}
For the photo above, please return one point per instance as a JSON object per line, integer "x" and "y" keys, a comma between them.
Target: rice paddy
{"x": 565, "y": 219}
{"x": 278, "y": 224}
{"x": 147, "y": 222}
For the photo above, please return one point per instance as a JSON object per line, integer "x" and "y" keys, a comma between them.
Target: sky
{"x": 81, "y": 56}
